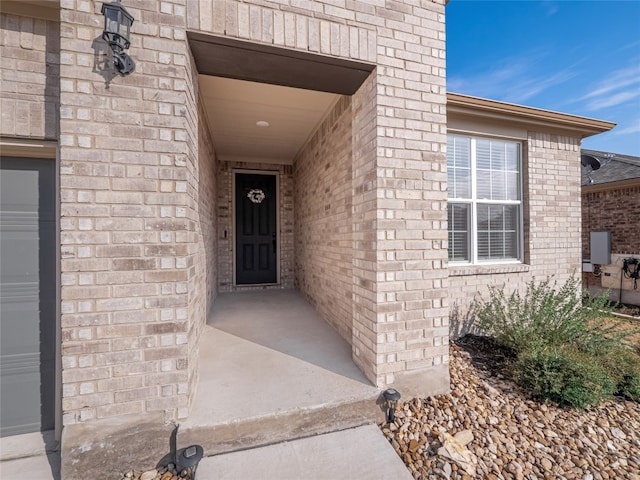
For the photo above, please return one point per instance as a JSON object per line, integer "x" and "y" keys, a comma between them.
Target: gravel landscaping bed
{"x": 489, "y": 428}
{"x": 157, "y": 474}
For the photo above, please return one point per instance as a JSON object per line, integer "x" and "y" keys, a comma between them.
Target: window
{"x": 485, "y": 200}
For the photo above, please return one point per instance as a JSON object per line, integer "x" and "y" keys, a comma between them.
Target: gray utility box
{"x": 600, "y": 243}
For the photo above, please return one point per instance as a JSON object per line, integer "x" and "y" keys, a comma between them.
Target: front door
{"x": 256, "y": 229}
{"x": 28, "y": 295}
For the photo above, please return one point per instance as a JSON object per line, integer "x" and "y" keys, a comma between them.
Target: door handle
{"x": 273, "y": 236}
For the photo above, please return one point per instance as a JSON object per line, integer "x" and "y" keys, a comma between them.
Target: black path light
{"x": 181, "y": 463}
{"x": 117, "y": 33}
{"x": 187, "y": 461}
{"x": 391, "y": 397}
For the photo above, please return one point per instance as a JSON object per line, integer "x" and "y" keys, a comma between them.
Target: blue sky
{"x": 578, "y": 57}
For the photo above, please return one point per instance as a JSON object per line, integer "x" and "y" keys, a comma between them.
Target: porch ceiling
{"x": 233, "y": 107}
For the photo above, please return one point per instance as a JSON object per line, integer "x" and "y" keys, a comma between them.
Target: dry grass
{"x": 627, "y": 325}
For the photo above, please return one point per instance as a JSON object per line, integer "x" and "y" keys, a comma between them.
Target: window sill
{"x": 462, "y": 270}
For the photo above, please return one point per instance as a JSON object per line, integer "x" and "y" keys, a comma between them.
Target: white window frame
{"x": 473, "y": 202}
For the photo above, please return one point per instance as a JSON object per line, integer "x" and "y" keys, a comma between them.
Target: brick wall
{"x": 412, "y": 310}
{"x": 364, "y": 339}
{"x": 202, "y": 261}
{"x": 202, "y": 195}
{"x": 553, "y": 206}
{"x": 616, "y": 210}
{"x": 133, "y": 283}
{"x": 323, "y": 226}
{"x": 324, "y": 27}
{"x": 552, "y": 228}
{"x": 225, "y": 224}
{"x": 30, "y": 52}
{"x": 207, "y": 208}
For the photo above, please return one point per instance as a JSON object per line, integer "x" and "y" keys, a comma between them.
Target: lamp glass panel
{"x": 124, "y": 26}
{"x": 111, "y": 20}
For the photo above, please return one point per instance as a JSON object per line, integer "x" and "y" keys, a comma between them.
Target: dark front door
{"x": 27, "y": 295}
{"x": 256, "y": 242}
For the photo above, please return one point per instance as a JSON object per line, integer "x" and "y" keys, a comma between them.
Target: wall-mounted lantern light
{"x": 391, "y": 397}
{"x": 117, "y": 33}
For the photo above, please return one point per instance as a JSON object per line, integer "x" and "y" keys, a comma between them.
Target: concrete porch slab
{"x": 270, "y": 369}
{"x": 354, "y": 454}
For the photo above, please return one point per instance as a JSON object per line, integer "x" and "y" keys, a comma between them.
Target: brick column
{"x": 132, "y": 296}
{"x": 364, "y": 342}
{"x": 400, "y": 252}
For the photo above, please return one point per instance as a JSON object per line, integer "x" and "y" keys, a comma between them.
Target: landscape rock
{"x": 489, "y": 428}
{"x": 149, "y": 475}
{"x": 162, "y": 474}
{"x": 616, "y": 432}
{"x": 464, "y": 437}
{"x": 454, "y": 450}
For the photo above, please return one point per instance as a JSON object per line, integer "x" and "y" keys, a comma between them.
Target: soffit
{"x": 43, "y": 9}
{"x": 464, "y": 106}
{"x": 234, "y": 106}
{"x": 226, "y": 57}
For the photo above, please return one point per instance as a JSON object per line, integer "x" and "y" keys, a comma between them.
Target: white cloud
{"x": 551, "y": 8}
{"x": 615, "y": 88}
{"x": 534, "y": 86}
{"x": 631, "y": 129}
{"x": 613, "y": 100}
{"x": 630, "y": 45}
{"x": 516, "y": 80}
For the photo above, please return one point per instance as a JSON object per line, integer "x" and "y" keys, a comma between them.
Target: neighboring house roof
{"x": 615, "y": 168}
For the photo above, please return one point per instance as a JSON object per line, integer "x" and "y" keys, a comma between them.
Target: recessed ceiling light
{"x": 262, "y": 123}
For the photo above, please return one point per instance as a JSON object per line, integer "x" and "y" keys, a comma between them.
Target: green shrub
{"x": 565, "y": 350}
{"x": 564, "y": 375}
{"x": 630, "y": 386}
{"x": 624, "y": 364}
{"x": 544, "y": 315}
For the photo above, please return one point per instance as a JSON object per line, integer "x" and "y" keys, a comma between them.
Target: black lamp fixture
{"x": 183, "y": 462}
{"x": 187, "y": 461}
{"x": 391, "y": 397}
{"x": 117, "y": 33}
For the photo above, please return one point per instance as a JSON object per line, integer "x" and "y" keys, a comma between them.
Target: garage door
{"x": 27, "y": 295}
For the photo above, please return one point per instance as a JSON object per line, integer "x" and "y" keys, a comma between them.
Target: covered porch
{"x": 271, "y": 369}
{"x": 290, "y": 198}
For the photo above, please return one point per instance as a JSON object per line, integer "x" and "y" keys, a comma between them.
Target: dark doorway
{"x": 28, "y": 300}
{"x": 256, "y": 229}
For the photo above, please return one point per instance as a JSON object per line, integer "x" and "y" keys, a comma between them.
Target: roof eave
{"x": 614, "y": 185}
{"x": 482, "y": 107}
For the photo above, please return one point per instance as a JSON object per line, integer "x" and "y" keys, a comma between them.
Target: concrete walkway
{"x": 357, "y": 454}
{"x": 32, "y": 455}
{"x": 41, "y": 467}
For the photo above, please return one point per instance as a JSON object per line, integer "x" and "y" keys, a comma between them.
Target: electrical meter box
{"x": 600, "y": 246}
